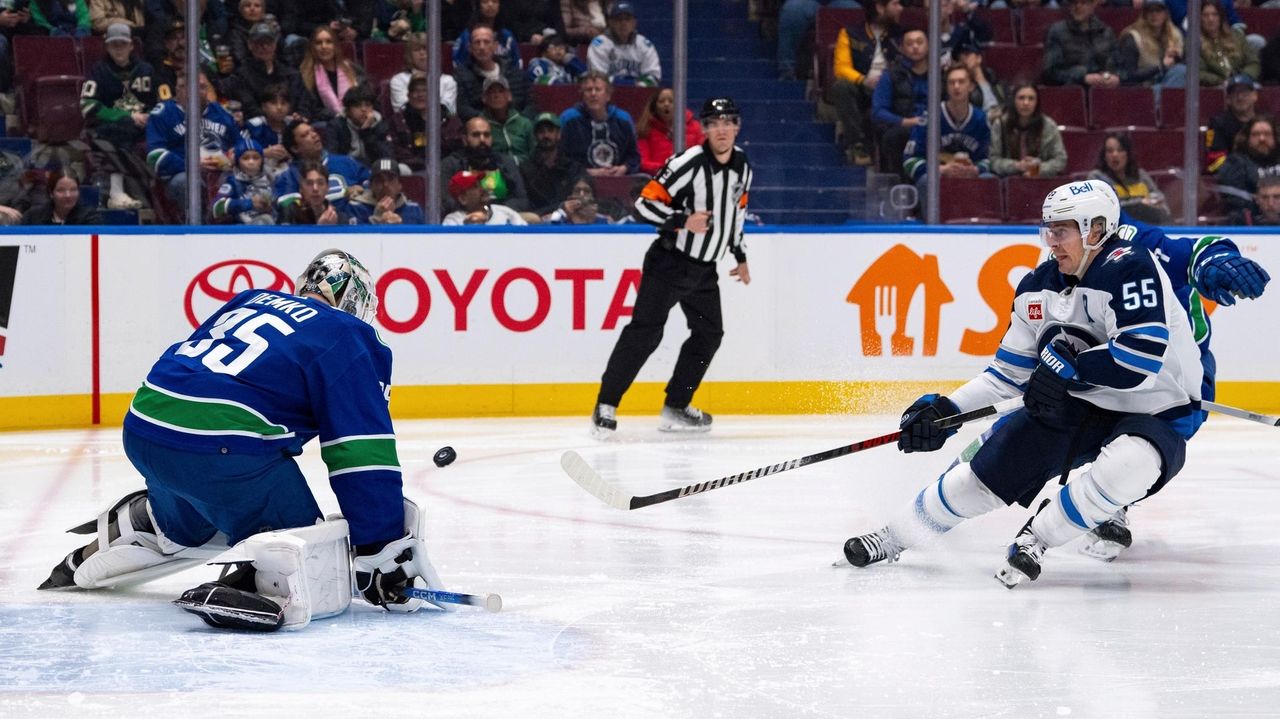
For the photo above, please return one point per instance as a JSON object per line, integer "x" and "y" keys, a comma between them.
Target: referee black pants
{"x": 669, "y": 278}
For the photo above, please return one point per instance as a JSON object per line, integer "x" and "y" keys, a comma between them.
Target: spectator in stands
{"x": 898, "y": 105}
{"x": 398, "y": 19}
{"x": 164, "y": 15}
{"x": 241, "y": 26}
{"x": 548, "y": 174}
{"x": 18, "y": 187}
{"x": 625, "y": 56}
{"x": 246, "y": 196}
{"x": 556, "y": 63}
{"x": 105, "y": 13}
{"x": 346, "y": 176}
{"x": 1224, "y": 51}
{"x": 1178, "y": 12}
{"x": 482, "y": 66}
{"x": 477, "y": 155}
{"x": 583, "y": 19}
{"x": 264, "y": 68}
{"x": 1150, "y": 50}
{"x": 171, "y": 60}
{"x": 54, "y": 17}
{"x": 533, "y": 21}
{"x": 962, "y": 26}
{"x": 989, "y": 93}
{"x": 966, "y": 138}
{"x": 299, "y": 20}
{"x": 864, "y": 51}
{"x": 489, "y": 14}
{"x": 167, "y": 138}
{"x": 598, "y": 134}
{"x": 268, "y": 128}
{"x": 476, "y": 208}
{"x": 1242, "y": 106}
{"x": 654, "y": 131}
{"x": 1080, "y": 49}
{"x": 14, "y": 20}
{"x": 512, "y": 132}
{"x": 580, "y": 207}
{"x": 327, "y": 74}
{"x": 312, "y": 206}
{"x": 409, "y": 128}
{"x": 115, "y": 103}
{"x": 360, "y": 132}
{"x": 1267, "y": 200}
{"x": 415, "y": 64}
{"x": 1139, "y": 195}
{"x": 1269, "y": 62}
{"x": 1254, "y": 157}
{"x": 63, "y": 207}
{"x": 384, "y": 203}
{"x": 1025, "y": 141}
{"x": 795, "y": 18}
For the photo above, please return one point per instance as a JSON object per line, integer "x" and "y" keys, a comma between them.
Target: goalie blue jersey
{"x": 268, "y": 372}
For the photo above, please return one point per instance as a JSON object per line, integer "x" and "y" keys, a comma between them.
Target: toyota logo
{"x": 224, "y": 280}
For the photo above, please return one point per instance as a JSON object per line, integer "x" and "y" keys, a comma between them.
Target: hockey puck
{"x": 444, "y": 456}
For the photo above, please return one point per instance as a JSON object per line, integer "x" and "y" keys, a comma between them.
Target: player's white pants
{"x": 1121, "y": 475}
{"x": 956, "y": 496}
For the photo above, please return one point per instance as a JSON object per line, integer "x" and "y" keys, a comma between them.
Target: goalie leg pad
{"x": 306, "y": 571}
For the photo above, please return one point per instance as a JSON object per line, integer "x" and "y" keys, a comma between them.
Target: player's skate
{"x": 689, "y": 419}
{"x": 1106, "y": 541}
{"x": 877, "y": 546}
{"x": 1023, "y": 560}
{"x": 604, "y": 421}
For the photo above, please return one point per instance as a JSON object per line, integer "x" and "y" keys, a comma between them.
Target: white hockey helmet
{"x": 343, "y": 282}
{"x": 1087, "y": 203}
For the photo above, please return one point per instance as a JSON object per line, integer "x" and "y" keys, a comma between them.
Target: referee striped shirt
{"x": 694, "y": 182}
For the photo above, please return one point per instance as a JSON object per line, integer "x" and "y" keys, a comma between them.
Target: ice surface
{"x": 719, "y": 605}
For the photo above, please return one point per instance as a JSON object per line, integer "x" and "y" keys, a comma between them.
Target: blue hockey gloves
{"x": 919, "y": 433}
{"x": 1046, "y": 398}
{"x": 1226, "y": 276}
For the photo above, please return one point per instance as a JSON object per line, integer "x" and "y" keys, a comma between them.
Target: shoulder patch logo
{"x": 1127, "y": 232}
{"x": 1035, "y": 311}
{"x": 1118, "y": 254}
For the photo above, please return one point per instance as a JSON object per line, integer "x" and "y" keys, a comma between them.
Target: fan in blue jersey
{"x": 214, "y": 430}
{"x": 1109, "y": 372}
{"x": 167, "y": 138}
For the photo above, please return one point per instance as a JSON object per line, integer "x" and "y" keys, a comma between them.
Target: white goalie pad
{"x": 136, "y": 555}
{"x": 307, "y": 570}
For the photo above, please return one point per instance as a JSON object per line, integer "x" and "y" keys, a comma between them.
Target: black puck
{"x": 444, "y": 456}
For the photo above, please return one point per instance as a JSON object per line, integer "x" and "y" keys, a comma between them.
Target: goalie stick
{"x": 1230, "y": 411}
{"x": 587, "y": 478}
{"x": 491, "y": 602}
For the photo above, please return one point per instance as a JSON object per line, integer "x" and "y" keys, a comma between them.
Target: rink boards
{"x": 508, "y": 324}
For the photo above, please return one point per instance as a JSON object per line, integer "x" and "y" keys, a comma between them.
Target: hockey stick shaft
{"x": 491, "y": 602}
{"x": 1230, "y": 411}
{"x": 590, "y": 480}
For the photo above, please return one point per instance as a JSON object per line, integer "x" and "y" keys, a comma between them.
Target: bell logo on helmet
{"x": 1080, "y": 189}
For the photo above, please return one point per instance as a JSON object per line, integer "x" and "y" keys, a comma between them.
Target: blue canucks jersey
{"x": 344, "y": 173}
{"x": 1136, "y": 350}
{"x": 167, "y": 133}
{"x": 268, "y": 372}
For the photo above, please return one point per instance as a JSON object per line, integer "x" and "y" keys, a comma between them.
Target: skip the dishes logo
{"x": 885, "y": 293}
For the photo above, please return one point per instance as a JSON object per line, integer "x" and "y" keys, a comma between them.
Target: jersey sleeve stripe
{"x": 1134, "y": 361}
{"x": 355, "y": 437}
{"x": 359, "y": 453}
{"x": 366, "y": 468}
{"x": 1141, "y": 345}
{"x": 1014, "y": 359}
{"x": 1160, "y": 332}
{"x": 996, "y": 373}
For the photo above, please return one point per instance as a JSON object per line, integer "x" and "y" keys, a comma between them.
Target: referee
{"x": 698, "y": 200}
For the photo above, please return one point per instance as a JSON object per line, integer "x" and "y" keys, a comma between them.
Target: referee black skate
{"x": 698, "y": 200}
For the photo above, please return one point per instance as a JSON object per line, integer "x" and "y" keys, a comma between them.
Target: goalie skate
{"x": 225, "y": 607}
{"x": 1106, "y": 541}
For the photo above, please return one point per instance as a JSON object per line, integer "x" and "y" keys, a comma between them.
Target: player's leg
{"x": 1139, "y": 457}
{"x": 701, "y": 307}
{"x": 654, "y": 299}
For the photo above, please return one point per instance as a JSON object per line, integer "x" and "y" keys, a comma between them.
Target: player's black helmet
{"x": 719, "y": 107}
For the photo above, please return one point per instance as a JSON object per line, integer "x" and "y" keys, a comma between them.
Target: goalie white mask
{"x": 1086, "y": 203}
{"x": 342, "y": 281}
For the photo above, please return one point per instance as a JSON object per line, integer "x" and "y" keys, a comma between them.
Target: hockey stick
{"x": 491, "y": 602}
{"x": 1230, "y": 411}
{"x": 587, "y": 478}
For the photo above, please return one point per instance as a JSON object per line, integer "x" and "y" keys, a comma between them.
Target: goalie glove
{"x": 1226, "y": 276}
{"x": 384, "y": 571}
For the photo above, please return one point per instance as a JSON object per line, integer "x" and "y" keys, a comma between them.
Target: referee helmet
{"x": 719, "y": 107}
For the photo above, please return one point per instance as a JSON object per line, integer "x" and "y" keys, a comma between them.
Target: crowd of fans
{"x": 991, "y": 128}
{"x": 294, "y": 131}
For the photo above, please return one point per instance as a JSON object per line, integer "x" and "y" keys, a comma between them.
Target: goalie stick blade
{"x": 587, "y": 478}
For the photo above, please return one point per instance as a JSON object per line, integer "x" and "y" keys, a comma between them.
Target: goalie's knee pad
{"x": 307, "y": 570}
{"x": 130, "y": 548}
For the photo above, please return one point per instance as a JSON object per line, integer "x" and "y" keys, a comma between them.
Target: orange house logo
{"x": 885, "y": 291}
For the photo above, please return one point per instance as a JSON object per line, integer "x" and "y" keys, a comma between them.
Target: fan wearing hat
{"x": 115, "y": 102}
{"x": 384, "y": 203}
{"x": 548, "y": 174}
{"x": 246, "y": 196}
{"x": 512, "y": 131}
{"x": 477, "y": 155}
{"x": 468, "y": 189}
{"x": 261, "y": 69}
{"x": 988, "y": 92}
{"x": 1150, "y": 50}
{"x": 625, "y": 56}
{"x": 556, "y": 64}
{"x": 1242, "y": 107}
{"x": 483, "y": 63}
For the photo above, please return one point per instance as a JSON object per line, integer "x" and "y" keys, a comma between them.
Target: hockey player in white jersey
{"x": 1105, "y": 360}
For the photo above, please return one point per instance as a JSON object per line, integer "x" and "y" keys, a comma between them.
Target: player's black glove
{"x": 919, "y": 433}
{"x": 1047, "y": 397}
